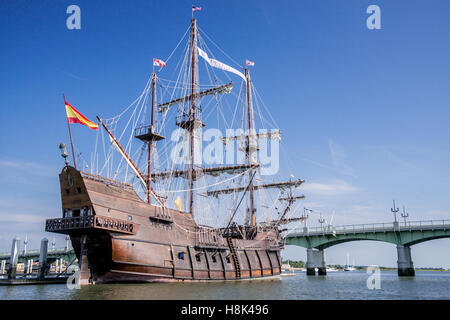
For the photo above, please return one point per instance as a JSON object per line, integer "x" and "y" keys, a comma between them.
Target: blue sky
{"x": 364, "y": 113}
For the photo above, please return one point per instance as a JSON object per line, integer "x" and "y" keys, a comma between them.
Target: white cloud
{"x": 22, "y": 218}
{"x": 332, "y": 188}
{"x": 339, "y": 158}
{"x": 316, "y": 163}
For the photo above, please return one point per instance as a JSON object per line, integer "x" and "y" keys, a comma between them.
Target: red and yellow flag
{"x": 73, "y": 116}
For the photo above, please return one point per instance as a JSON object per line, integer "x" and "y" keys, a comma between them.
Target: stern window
{"x": 86, "y": 211}
{"x": 68, "y": 213}
{"x": 181, "y": 255}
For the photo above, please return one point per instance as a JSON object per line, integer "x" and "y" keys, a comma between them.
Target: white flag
{"x": 217, "y": 64}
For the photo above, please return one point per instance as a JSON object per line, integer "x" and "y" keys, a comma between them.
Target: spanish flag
{"x": 73, "y": 116}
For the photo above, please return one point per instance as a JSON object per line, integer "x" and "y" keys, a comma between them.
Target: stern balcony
{"x": 87, "y": 223}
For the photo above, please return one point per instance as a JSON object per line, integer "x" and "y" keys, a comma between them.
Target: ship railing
{"x": 64, "y": 225}
{"x": 374, "y": 227}
{"x": 141, "y": 130}
{"x": 163, "y": 214}
{"x": 208, "y": 237}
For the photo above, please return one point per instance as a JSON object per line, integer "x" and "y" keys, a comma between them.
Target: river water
{"x": 336, "y": 285}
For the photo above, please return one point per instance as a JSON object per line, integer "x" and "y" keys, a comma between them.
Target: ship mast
{"x": 150, "y": 143}
{"x": 147, "y": 134}
{"x": 250, "y": 150}
{"x": 192, "y": 115}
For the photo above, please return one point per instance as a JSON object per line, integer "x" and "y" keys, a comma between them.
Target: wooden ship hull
{"x": 118, "y": 237}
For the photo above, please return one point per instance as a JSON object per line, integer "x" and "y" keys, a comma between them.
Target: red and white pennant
{"x": 159, "y": 63}
{"x": 249, "y": 63}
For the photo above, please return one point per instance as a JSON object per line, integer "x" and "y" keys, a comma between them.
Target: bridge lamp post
{"x": 394, "y": 210}
{"x": 25, "y": 243}
{"x": 306, "y": 215}
{"x": 321, "y": 221}
{"x": 404, "y": 214}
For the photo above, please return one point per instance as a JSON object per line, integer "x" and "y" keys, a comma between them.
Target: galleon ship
{"x": 150, "y": 219}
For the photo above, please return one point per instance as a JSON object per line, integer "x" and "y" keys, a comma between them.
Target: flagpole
{"x": 70, "y": 134}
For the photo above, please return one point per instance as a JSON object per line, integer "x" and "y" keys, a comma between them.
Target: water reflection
{"x": 336, "y": 285}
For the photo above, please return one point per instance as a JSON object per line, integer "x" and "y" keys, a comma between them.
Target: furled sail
{"x": 226, "y": 88}
{"x": 280, "y": 185}
{"x": 199, "y": 173}
{"x": 263, "y": 135}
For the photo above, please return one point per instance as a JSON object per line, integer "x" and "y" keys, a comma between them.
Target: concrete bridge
{"x": 9, "y": 261}
{"x": 403, "y": 235}
{"x": 52, "y": 255}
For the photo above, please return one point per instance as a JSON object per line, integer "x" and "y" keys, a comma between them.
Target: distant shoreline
{"x": 382, "y": 269}
{"x": 301, "y": 266}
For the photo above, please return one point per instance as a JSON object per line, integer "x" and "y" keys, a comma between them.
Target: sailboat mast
{"x": 249, "y": 149}
{"x": 192, "y": 114}
{"x": 150, "y": 142}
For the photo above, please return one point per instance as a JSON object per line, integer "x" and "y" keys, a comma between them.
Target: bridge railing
{"x": 35, "y": 252}
{"x": 373, "y": 227}
{"x": 425, "y": 223}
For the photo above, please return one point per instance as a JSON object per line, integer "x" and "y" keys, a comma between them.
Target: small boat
{"x": 348, "y": 266}
{"x": 331, "y": 269}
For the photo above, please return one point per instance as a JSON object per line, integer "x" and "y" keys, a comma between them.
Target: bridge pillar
{"x": 30, "y": 271}
{"x": 404, "y": 262}
{"x": 43, "y": 258}
{"x": 315, "y": 259}
{"x": 14, "y": 258}
{"x": 2, "y": 267}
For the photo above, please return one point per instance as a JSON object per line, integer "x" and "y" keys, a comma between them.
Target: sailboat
{"x": 349, "y": 267}
{"x": 138, "y": 215}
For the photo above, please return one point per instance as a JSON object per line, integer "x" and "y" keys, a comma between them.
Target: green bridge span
{"x": 403, "y": 235}
{"x": 52, "y": 255}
